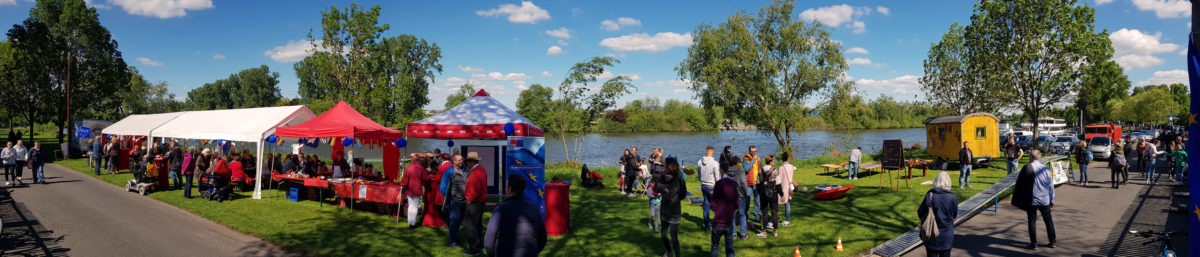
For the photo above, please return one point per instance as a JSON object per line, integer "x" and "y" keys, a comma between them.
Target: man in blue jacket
{"x": 516, "y": 227}
{"x": 1042, "y": 200}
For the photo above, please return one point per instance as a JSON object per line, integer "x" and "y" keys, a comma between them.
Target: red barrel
{"x": 558, "y": 208}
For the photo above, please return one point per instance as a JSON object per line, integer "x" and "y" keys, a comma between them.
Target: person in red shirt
{"x": 412, "y": 186}
{"x": 476, "y": 197}
{"x": 433, "y": 194}
{"x": 223, "y": 174}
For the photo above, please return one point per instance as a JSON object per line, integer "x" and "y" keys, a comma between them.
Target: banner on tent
{"x": 526, "y": 158}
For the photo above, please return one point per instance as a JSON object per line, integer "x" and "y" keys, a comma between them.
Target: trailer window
{"x": 980, "y": 132}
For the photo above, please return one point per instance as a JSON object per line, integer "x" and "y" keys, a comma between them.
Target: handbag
{"x": 929, "y": 228}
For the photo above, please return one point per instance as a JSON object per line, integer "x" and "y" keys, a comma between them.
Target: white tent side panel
{"x": 246, "y": 125}
{"x": 141, "y": 124}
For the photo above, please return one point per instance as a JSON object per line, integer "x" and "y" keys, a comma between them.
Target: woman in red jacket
{"x": 433, "y": 195}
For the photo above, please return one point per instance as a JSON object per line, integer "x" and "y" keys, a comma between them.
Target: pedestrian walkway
{"x": 1088, "y": 221}
{"x": 80, "y": 215}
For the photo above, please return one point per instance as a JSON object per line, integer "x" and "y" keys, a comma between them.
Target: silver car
{"x": 1101, "y": 147}
{"x": 1061, "y": 144}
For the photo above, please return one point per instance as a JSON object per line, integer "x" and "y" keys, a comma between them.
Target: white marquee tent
{"x": 245, "y": 125}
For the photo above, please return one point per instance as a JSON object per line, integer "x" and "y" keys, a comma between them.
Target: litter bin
{"x": 558, "y": 208}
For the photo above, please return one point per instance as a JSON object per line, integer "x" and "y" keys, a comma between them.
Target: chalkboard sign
{"x": 892, "y": 156}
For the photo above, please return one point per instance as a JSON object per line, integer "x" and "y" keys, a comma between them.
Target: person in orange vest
{"x": 476, "y": 197}
{"x": 751, "y": 164}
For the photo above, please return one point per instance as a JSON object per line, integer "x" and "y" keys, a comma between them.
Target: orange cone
{"x": 839, "y": 245}
{"x": 797, "y": 251}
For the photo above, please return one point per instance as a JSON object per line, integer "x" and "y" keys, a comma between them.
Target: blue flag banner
{"x": 1193, "y": 61}
{"x": 524, "y": 160}
{"x": 83, "y": 132}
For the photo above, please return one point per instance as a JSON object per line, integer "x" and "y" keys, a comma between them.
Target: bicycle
{"x": 1167, "y": 250}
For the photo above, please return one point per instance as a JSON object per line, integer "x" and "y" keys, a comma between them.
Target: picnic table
{"x": 836, "y": 167}
{"x": 918, "y": 163}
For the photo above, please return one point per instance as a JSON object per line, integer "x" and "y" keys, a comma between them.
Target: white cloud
{"x": 673, "y": 83}
{"x": 147, "y": 61}
{"x": 562, "y": 33}
{"x": 554, "y": 50}
{"x": 679, "y": 91}
{"x": 633, "y": 76}
{"x": 1166, "y": 77}
{"x": 1165, "y": 8}
{"x": 1103, "y": 2}
{"x": 526, "y": 13}
{"x": 886, "y": 11}
{"x": 900, "y": 86}
{"x": 293, "y": 51}
{"x": 90, "y": 3}
{"x": 1134, "y": 61}
{"x": 644, "y": 42}
{"x": 622, "y": 22}
{"x": 546, "y": 74}
{"x": 1183, "y": 52}
{"x": 858, "y": 61}
{"x": 1132, "y": 41}
{"x": 856, "y": 50}
{"x": 836, "y": 15}
{"x": 218, "y": 57}
{"x": 561, "y": 42}
{"x": 615, "y": 55}
{"x": 454, "y": 81}
{"x": 501, "y": 76}
{"x": 8, "y": 2}
{"x": 522, "y": 87}
{"x": 162, "y": 9}
{"x": 469, "y": 69}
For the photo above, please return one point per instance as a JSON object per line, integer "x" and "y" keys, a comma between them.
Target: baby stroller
{"x": 591, "y": 179}
{"x": 141, "y": 182}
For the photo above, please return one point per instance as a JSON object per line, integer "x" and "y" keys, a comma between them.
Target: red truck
{"x": 1103, "y": 130}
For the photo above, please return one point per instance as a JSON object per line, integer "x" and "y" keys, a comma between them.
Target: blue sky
{"x": 504, "y": 46}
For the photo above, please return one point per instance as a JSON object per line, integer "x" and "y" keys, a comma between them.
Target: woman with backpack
{"x": 941, "y": 205}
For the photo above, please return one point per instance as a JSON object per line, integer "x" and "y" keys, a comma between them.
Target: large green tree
{"x": 1034, "y": 53}
{"x": 1103, "y": 82}
{"x": 80, "y": 58}
{"x": 465, "y": 91}
{"x": 22, "y": 75}
{"x": 949, "y": 83}
{"x": 581, "y": 103}
{"x": 536, "y": 104}
{"x": 249, "y": 88}
{"x": 1150, "y": 106}
{"x": 763, "y": 69}
{"x": 385, "y": 78}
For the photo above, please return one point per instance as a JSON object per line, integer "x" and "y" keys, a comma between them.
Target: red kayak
{"x": 832, "y": 193}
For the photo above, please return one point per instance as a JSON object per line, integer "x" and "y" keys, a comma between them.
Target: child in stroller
{"x": 591, "y": 179}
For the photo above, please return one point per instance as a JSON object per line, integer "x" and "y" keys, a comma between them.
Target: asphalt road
{"x": 84, "y": 216}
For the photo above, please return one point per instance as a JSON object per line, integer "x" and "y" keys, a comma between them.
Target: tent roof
{"x": 340, "y": 121}
{"x": 247, "y": 125}
{"x": 479, "y": 117}
{"x": 140, "y": 124}
{"x": 956, "y": 119}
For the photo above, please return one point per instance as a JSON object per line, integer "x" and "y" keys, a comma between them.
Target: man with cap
{"x": 411, "y": 184}
{"x": 476, "y": 197}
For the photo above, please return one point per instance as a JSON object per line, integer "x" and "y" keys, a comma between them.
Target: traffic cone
{"x": 839, "y": 245}
{"x": 797, "y": 251}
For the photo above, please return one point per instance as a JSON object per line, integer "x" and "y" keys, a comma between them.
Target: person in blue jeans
{"x": 739, "y": 215}
{"x": 455, "y": 188}
{"x": 1151, "y": 157}
{"x": 965, "y": 156}
{"x": 1081, "y": 158}
{"x": 1012, "y": 154}
{"x": 855, "y": 159}
{"x": 709, "y": 173}
{"x": 38, "y": 163}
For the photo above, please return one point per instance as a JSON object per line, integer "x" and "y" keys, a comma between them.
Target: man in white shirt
{"x": 710, "y": 172}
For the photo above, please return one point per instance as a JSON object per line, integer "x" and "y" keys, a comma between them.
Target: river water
{"x": 602, "y": 150}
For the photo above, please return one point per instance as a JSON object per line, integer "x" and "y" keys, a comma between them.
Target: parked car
{"x": 1061, "y": 144}
{"x": 1025, "y": 142}
{"x": 1150, "y": 132}
{"x": 1043, "y": 142}
{"x": 1101, "y": 147}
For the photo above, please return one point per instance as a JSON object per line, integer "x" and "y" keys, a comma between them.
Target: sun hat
{"x": 473, "y": 156}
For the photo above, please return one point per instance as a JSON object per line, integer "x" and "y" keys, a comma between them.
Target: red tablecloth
{"x": 308, "y": 182}
{"x": 389, "y": 194}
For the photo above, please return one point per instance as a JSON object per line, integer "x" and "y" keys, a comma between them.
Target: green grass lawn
{"x": 603, "y": 222}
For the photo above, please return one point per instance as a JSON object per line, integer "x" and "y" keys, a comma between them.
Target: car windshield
{"x": 1101, "y": 141}
{"x": 1064, "y": 139}
{"x": 1025, "y": 138}
{"x": 1043, "y": 138}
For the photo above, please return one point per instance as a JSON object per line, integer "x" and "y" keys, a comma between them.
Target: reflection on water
{"x": 603, "y": 150}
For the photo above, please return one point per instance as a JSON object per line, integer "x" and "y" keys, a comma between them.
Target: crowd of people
{"x": 739, "y": 194}
{"x": 16, "y": 157}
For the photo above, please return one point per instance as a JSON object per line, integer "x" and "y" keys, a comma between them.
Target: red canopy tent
{"x": 343, "y": 121}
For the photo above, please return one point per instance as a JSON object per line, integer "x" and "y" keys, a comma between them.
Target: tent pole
{"x": 259, "y": 167}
